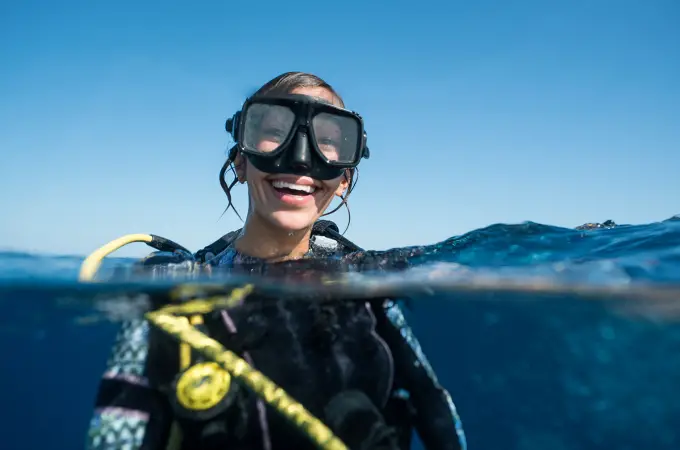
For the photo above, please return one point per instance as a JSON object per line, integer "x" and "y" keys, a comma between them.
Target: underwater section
{"x": 546, "y": 338}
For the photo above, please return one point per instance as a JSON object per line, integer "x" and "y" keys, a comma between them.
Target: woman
{"x": 356, "y": 366}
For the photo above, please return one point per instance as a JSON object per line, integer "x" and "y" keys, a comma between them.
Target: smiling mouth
{"x": 301, "y": 190}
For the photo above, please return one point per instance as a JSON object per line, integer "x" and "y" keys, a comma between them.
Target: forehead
{"x": 319, "y": 93}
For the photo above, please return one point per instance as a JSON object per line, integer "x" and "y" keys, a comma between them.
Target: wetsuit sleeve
{"x": 130, "y": 411}
{"x": 435, "y": 417}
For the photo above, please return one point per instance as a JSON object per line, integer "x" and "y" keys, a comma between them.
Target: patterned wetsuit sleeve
{"x": 130, "y": 413}
{"x": 436, "y": 418}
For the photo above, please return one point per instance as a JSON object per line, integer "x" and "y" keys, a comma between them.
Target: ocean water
{"x": 546, "y": 337}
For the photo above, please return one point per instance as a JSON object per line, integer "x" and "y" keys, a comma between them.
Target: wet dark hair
{"x": 285, "y": 84}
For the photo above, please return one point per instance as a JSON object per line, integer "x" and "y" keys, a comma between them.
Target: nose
{"x": 301, "y": 156}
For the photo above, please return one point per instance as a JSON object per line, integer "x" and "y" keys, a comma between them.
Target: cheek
{"x": 254, "y": 178}
{"x": 332, "y": 186}
{"x": 338, "y": 185}
{"x": 251, "y": 171}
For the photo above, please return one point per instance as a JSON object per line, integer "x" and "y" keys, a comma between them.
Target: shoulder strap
{"x": 216, "y": 247}
{"x": 326, "y": 228}
{"x": 330, "y": 230}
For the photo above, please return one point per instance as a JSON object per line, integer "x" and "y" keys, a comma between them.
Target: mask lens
{"x": 266, "y": 127}
{"x": 337, "y": 137}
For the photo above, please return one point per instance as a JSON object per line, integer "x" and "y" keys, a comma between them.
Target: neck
{"x": 261, "y": 239}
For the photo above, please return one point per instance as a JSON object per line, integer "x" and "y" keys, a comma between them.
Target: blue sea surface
{"x": 546, "y": 337}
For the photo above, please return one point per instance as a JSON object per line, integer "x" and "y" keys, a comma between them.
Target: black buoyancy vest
{"x": 314, "y": 351}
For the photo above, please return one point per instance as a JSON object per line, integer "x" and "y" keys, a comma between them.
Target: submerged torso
{"x": 312, "y": 349}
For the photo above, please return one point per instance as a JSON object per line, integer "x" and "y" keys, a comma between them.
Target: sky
{"x": 112, "y": 113}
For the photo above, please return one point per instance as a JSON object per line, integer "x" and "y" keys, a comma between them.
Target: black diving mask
{"x": 300, "y": 135}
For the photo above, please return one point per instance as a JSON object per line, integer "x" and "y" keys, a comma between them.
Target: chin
{"x": 292, "y": 221}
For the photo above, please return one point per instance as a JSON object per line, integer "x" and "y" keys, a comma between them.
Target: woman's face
{"x": 270, "y": 200}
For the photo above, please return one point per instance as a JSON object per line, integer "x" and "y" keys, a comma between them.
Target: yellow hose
{"x": 185, "y": 333}
{"x": 89, "y": 267}
{"x": 257, "y": 382}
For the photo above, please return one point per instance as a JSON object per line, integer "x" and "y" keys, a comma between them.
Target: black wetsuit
{"x": 316, "y": 352}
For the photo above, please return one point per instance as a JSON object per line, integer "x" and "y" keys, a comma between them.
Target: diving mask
{"x": 300, "y": 135}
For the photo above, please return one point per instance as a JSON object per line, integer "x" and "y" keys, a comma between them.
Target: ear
{"x": 344, "y": 184}
{"x": 240, "y": 167}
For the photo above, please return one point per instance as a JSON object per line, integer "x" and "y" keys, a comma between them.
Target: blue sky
{"x": 112, "y": 113}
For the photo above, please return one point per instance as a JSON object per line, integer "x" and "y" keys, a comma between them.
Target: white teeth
{"x": 297, "y": 187}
